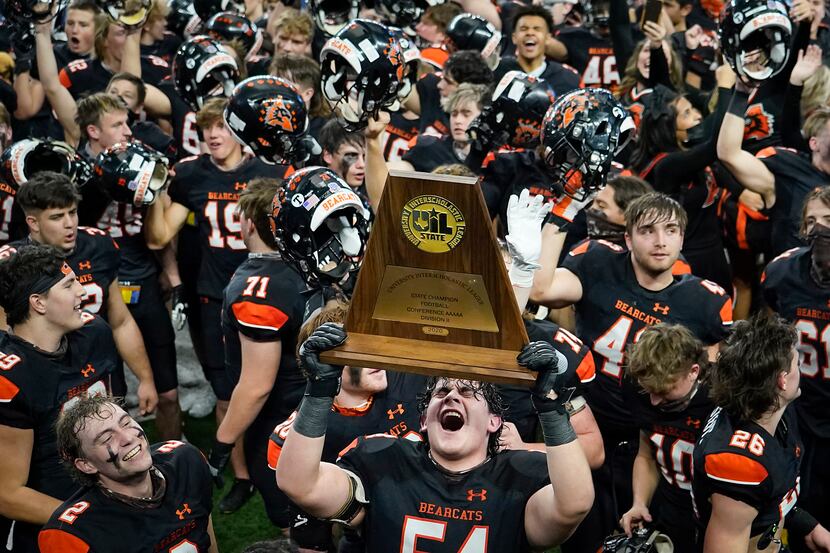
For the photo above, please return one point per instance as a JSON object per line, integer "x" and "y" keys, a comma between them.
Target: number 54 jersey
{"x": 414, "y": 506}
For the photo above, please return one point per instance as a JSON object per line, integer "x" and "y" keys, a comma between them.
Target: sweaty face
{"x": 678, "y": 396}
{"x": 458, "y": 422}
{"x": 80, "y": 31}
{"x": 114, "y": 446}
{"x": 686, "y": 118}
{"x": 529, "y": 37}
{"x": 363, "y": 381}
{"x": 604, "y": 201}
{"x": 655, "y": 244}
{"x": 350, "y": 163}
{"x": 113, "y": 128}
{"x": 63, "y": 303}
{"x": 460, "y": 118}
{"x": 220, "y": 142}
{"x": 127, "y": 91}
{"x": 56, "y": 227}
{"x": 288, "y": 43}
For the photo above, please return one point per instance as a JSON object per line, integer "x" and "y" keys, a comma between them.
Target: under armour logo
{"x": 392, "y": 413}
{"x": 185, "y": 510}
{"x": 664, "y": 309}
{"x": 481, "y": 495}
{"x": 693, "y": 422}
{"x": 240, "y": 185}
{"x": 85, "y": 265}
{"x": 88, "y": 370}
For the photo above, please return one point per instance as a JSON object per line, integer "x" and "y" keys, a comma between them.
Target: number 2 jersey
{"x": 742, "y": 461}
{"x": 93, "y": 521}
{"x": 212, "y": 195}
{"x": 790, "y": 291}
{"x": 615, "y": 309}
{"x": 95, "y": 261}
{"x": 416, "y": 506}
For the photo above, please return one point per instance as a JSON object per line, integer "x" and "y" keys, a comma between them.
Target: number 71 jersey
{"x": 212, "y": 195}
{"x": 615, "y": 309}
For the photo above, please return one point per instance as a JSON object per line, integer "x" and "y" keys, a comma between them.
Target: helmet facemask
{"x": 129, "y": 13}
{"x": 217, "y": 82}
{"x": 355, "y": 97}
{"x": 761, "y": 55}
{"x": 332, "y": 15}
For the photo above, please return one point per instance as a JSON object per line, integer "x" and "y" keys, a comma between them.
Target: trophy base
{"x": 430, "y": 358}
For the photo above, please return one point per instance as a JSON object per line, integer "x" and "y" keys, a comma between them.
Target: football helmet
{"x": 472, "y": 32}
{"x": 331, "y": 16}
{"x": 596, "y": 13}
{"x": 755, "y": 38}
{"x": 32, "y": 11}
{"x": 230, "y": 26}
{"x": 268, "y": 115}
{"x": 206, "y": 8}
{"x": 182, "y": 19}
{"x": 320, "y": 226}
{"x": 364, "y": 70}
{"x": 132, "y": 173}
{"x": 642, "y": 540}
{"x": 514, "y": 116}
{"x": 25, "y": 158}
{"x": 130, "y": 13}
{"x": 581, "y": 133}
{"x": 203, "y": 69}
{"x": 402, "y": 13}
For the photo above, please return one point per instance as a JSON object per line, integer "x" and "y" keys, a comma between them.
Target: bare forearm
{"x": 130, "y": 346}
{"x": 570, "y": 477}
{"x": 644, "y": 480}
{"x": 376, "y": 171}
{"x": 27, "y": 505}
{"x": 156, "y": 227}
{"x": 298, "y": 471}
{"x": 553, "y": 240}
{"x": 246, "y": 403}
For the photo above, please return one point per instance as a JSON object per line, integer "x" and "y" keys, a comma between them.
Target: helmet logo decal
{"x": 277, "y": 114}
{"x": 297, "y": 200}
{"x": 432, "y": 223}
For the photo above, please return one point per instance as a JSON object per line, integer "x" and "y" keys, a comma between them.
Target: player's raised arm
{"x": 321, "y": 489}
{"x": 553, "y": 512}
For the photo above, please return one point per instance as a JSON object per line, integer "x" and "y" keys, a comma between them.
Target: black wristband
{"x": 799, "y": 522}
{"x": 739, "y": 103}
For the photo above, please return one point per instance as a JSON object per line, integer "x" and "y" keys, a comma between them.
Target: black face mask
{"x": 819, "y": 238}
{"x": 600, "y": 228}
{"x": 696, "y": 135}
{"x": 677, "y": 405}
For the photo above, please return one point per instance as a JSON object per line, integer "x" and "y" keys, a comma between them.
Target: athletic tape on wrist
{"x": 312, "y": 416}
{"x": 556, "y": 428}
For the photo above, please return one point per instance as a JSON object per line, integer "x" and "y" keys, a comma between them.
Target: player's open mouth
{"x": 77, "y": 307}
{"x": 132, "y": 453}
{"x": 530, "y": 43}
{"x": 451, "y": 420}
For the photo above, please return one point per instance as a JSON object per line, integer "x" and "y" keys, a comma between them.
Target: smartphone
{"x": 651, "y": 11}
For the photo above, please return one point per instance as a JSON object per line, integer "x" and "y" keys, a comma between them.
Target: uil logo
{"x": 432, "y": 223}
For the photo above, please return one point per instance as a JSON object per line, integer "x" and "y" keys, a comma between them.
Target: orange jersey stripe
{"x": 735, "y": 468}
{"x": 58, "y": 541}
{"x": 256, "y": 315}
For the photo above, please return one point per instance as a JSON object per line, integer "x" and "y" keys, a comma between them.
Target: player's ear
{"x": 628, "y": 241}
{"x": 93, "y": 132}
{"x": 494, "y": 423}
{"x": 813, "y": 142}
{"x": 37, "y": 304}
{"x": 423, "y": 422}
{"x": 694, "y": 372}
{"x": 328, "y": 158}
{"x": 31, "y": 222}
{"x": 85, "y": 466}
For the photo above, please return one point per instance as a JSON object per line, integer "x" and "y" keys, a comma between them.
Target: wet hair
{"x": 482, "y": 390}
{"x": 85, "y": 5}
{"x": 821, "y": 193}
{"x": 255, "y": 202}
{"x": 455, "y": 169}
{"x": 333, "y": 136}
{"x": 47, "y": 190}
{"x": 654, "y": 207}
{"x": 71, "y": 422}
{"x": 744, "y": 379}
{"x": 627, "y": 189}
{"x": 19, "y": 272}
{"x": 664, "y": 354}
{"x": 335, "y": 311}
{"x": 534, "y": 11}
{"x": 467, "y": 66}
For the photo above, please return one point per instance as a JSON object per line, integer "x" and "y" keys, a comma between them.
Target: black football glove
{"x": 220, "y": 455}
{"x": 23, "y": 45}
{"x": 550, "y": 392}
{"x": 323, "y": 379}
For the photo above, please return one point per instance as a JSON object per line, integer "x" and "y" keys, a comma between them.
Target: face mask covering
{"x": 677, "y": 405}
{"x": 819, "y": 239}
{"x": 696, "y": 135}
{"x": 600, "y": 228}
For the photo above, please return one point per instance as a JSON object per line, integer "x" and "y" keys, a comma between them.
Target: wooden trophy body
{"x": 433, "y": 295}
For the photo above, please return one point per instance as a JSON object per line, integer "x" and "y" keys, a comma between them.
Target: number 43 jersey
{"x": 615, "y": 309}
{"x": 416, "y": 506}
{"x": 212, "y": 195}
{"x": 790, "y": 291}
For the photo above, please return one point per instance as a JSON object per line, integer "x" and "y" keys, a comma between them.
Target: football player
{"x": 262, "y": 310}
{"x": 54, "y": 353}
{"x": 209, "y": 186}
{"x": 455, "y": 487}
{"x": 50, "y": 202}
{"x": 746, "y": 463}
{"x": 617, "y": 293}
{"x": 796, "y": 285}
{"x": 135, "y": 497}
{"x": 671, "y": 404}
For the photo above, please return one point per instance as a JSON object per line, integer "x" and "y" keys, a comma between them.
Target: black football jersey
{"x": 434, "y": 120}
{"x": 591, "y": 56}
{"x": 35, "y": 387}
{"x": 509, "y": 172}
{"x": 95, "y": 261}
{"x": 672, "y": 437}
{"x": 125, "y": 224}
{"x": 212, "y": 194}
{"x": 84, "y": 77}
{"x": 615, "y": 309}
{"x": 12, "y": 219}
{"x": 559, "y": 78}
{"x": 790, "y": 291}
{"x": 183, "y": 120}
{"x": 429, "y": 152}
{"x": 742, "y": 461}
{"x": 795, "y": 176}
{"x": 415, "y": 506}
{"x": 164, "y": 48}
{"x": 399, "y": 134}
{"x": 393, "y": 411}
{"x": 263, "y": 302}
{"x": 92, "y": 521}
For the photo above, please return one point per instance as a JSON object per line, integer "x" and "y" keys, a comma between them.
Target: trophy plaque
{"x": 433, "y": 295}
